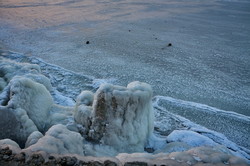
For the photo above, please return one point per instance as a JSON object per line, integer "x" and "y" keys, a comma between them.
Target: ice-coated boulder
{"x": 83, "y": 110}
{"x": 27, "y": 106}
{"x": 121, "y": 117}
{"x": 9, "y": 144}
{"x": 59, "y": 140}
{"x": 33, "y": 138}
{"x": 32, "y": 97}
{"x": 191, "y": 138}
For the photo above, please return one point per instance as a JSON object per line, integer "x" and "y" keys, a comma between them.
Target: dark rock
{"x": 19, "y": 157}
{"x": 136, "y": 163}
{"x": 6, "y": 157}
{"x": 90, "y": 163}
{"x": 8, "y": 152}
{"x": 70, "y": 161}
{"x": 149, "y": 150}
{"x": 96, "y": 163}
{"x": 36, "y": 159}
{"x": 51, "y": 157}
{"x": 109, "y": 163}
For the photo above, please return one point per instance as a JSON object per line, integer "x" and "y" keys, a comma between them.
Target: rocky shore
{"x": 11, "y": 158}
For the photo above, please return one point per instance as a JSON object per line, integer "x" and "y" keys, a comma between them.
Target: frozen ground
{"x": 208, "y": 61}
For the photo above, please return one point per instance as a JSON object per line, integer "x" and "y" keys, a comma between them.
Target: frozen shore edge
{"x": 7, "y": 157}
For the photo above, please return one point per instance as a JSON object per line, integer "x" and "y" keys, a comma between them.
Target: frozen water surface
{"x": 208, "y": 62}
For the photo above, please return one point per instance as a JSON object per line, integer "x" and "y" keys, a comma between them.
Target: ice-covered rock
{"x": 122, "y": 117}
{"x": 33, "y": 138}
{"x": 85, "y": 98}
{"x": 32, "y": 97}
{"x": 26, "y": 103}
{"x": 84, "y": 109}
{"x": 10, "y": 145}
{"x": 191, "y": 138}
{"x": 59, "y": 140}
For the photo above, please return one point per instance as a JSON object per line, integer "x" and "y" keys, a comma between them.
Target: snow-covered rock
{"x": 32, "y": 97}
{"x": 26, "y": 103}
{"x": 84, "y": 109}
{"x": 11, "y": 145}
{"x": 190, "y": 137}
{"x": 121, "y": 117}
{"x": 59, "y": 140}
{"x": 33, "y": 138}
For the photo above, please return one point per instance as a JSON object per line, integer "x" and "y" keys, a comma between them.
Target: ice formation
{"x": 59, "y": 140}
{"x": 83, "y": 110}
{"x": 113, "y": 121}
{"x": 120, "y": 117}
{"x": 191, "y": 138}
{"x": 26, "y": 101}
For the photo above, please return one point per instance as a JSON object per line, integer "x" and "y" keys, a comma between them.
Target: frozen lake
{"x": 208, "y": 62}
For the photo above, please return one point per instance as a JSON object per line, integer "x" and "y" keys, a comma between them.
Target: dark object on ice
{"x": 168, "y": 45}
{"x": 87, "y": 42}
{"x": 129, "y": 30}
{"x": 136, "y": 163}
{"x": 149, "y": 150}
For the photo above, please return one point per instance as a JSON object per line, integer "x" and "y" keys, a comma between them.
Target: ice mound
{"x": 59, "y": 140}
{"x": 26, "y": 103}
{"x": 119, "y": 117}
{"x": 191, "y": 138}
{"x": 32, "y": 97}
{"x": 31, "y": 107}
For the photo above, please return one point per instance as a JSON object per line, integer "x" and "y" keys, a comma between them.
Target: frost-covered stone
{"x": 191, "y": 138}
{"x": 27, "y": 106}
{"x": 33, "y": 138}
{"x": 122, "y": 117}
{"x": 9, "y": 144}
{"x": 85, "y": 98}
{"x": 32, "y": 97}
{"x": 84, "y": 109}
{"x": 59, "y": 140}
{"x": 83, "y": 115}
